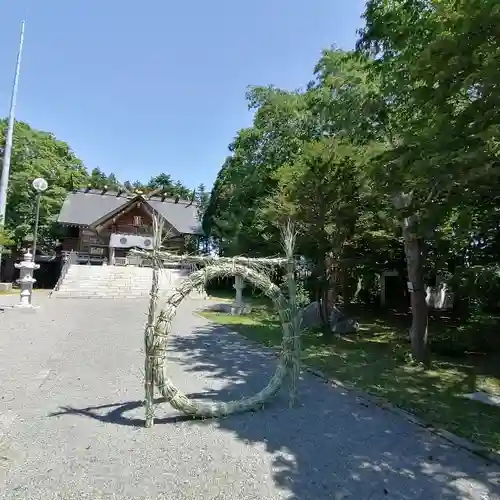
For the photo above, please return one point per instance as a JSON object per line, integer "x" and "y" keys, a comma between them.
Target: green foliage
{"x": 233, "y": 215}
{"x": 202, "y": 198}
{"x": 40, "y": 154}
{"x": 329, "y": 169}
{"x": 436, "y": 61}
{"x": 413, "y": 113}
{"x": 5, "y": 240}
{"x": 98, "y": 180}
{"x": 376, "y": 362}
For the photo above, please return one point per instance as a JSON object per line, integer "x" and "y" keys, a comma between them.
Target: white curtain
{"x": 131, "y": 240}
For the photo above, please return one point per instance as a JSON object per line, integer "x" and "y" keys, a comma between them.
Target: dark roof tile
{"x": 85, "y": 207}
{"x": 183, "y": 215}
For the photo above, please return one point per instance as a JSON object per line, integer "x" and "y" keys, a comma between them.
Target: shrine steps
{"x": 115, "y": 282}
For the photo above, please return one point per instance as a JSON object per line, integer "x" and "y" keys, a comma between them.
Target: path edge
{"x": 382, "y": 403}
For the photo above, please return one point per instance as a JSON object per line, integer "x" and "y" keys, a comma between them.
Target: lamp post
{"x": 39, "y": 185}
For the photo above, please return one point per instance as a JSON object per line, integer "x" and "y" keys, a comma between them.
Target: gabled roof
{"x": 83, "y": 208}
{"x": 183, "y": 215}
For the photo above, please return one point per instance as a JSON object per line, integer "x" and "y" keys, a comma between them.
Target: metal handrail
{"x": 69, "y": 260}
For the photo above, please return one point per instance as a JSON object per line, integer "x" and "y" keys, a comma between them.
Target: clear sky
{"x": 139, "y": 88}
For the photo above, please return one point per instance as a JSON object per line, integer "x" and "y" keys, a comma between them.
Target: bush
{"x": 479, "y": 335}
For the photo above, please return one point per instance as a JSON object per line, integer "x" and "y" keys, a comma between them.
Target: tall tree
{"x": 330, "y": 172}
{"x": 436, "y": 61}
{"x": 38, "y": 154}
{"x": 99, "y": 179}
{"x": 202, "y": 198}
{"x": 246, "y": 179}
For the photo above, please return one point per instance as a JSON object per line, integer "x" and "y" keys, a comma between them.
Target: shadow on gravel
{"x": 115, "y": 414}
{"x": 332, "y": 446}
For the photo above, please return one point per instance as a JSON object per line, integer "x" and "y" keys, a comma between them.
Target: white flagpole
{"x": 4, "y": 180}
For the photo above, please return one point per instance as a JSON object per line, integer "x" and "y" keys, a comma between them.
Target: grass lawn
{"x": 16, "y": 291}
{"x": 376, "y": 361}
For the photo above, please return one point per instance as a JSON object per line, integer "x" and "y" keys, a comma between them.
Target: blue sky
{"x": 139, "y": 88}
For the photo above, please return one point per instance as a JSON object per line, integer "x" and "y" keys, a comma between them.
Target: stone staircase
{"x": 114, "y": 282}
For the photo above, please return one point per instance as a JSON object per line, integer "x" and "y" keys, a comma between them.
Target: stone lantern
{"x": 26, "y": 280}
{"x": 239, "y": 307}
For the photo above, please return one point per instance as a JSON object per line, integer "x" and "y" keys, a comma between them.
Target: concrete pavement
{"x": 72, "y": 424}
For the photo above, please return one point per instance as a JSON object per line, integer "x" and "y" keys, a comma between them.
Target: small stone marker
{"x": 310, "y": 316}
{"x": 239, "y": 285}
{"x": 341, "y": 324}
{"x": 338, "y": 321}
{"x": 483, "y": 397}
{"x": 239, "y": 307}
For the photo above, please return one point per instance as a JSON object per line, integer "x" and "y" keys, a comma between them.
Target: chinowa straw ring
{"x": 159, "y": 326}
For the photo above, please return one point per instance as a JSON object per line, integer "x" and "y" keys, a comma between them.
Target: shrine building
{"x": 102, "y": 225}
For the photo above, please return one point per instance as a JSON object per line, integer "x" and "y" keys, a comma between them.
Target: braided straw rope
{"x": 158, "y": 327}
{"x": 161, "y": 330}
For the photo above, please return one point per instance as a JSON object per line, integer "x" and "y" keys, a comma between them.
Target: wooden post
{"x": 111, "y": 259}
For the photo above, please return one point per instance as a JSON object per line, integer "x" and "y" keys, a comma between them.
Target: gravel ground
{"x": 72, "y": 425}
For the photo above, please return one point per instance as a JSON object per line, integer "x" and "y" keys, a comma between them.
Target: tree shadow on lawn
{"x": 332, "y": 446}
{"x": 437, "y": 393}
{"x": 375, "y": 360}
{"x": 474, "y": 342}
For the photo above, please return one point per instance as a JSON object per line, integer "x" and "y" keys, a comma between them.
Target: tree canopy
{"x": 40, "y": 154}
{"x": 387, "y": 158}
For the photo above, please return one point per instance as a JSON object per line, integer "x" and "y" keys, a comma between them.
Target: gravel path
{"x": 72, "y": 425}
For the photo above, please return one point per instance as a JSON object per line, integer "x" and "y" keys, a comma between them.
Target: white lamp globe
{"x": 40, "y": 184}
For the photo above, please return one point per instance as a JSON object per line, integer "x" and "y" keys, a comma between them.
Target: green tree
{"x": 329, "y": 171}
{"x": 99, "y": 179}
{"x": 415, "y": 109}
{"x": 161, "y": 181}
{"x": 436, "y": 62}
{"x": 38, "y": 154}
{"x": 202, "y": 198}
{"x": 233, "y": 215}
{"x": 5, "y": 240}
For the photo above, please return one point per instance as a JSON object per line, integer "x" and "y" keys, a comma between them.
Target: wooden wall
{"x": 124, "y": 223}
{"x": 69, "y": 244}
{"x": 91, "y": 242}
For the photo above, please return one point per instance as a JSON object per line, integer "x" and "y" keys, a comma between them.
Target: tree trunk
{"x": 324, "y": 292}
{"x": 321, "y": 291}
{"x": 324, "y": 309}
{"x": 359, "y": 288}
{"x": 347, "y": 289}
{"x": 415, "y": 264}
{"x": 330, "y": 296}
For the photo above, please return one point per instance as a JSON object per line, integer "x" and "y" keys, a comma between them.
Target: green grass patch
{"x": 376, "y": 361}
{"x": 17, "y": 291}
